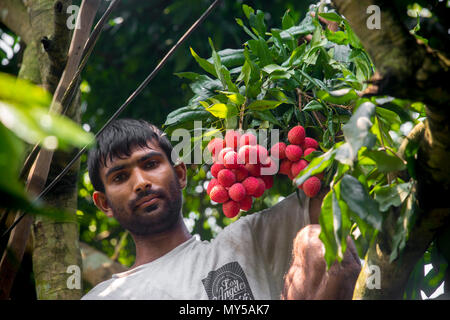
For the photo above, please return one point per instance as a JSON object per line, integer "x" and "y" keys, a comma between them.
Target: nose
{"x": 141, "y": 182}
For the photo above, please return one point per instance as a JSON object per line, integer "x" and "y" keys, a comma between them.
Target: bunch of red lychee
{"x": 292, "y": 158}
{"x": 242, "y": 170}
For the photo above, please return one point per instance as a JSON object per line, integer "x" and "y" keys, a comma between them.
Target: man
{"x": 137, "y": 183}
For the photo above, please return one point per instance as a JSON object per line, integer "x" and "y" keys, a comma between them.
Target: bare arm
{"x": 315, "y": 205}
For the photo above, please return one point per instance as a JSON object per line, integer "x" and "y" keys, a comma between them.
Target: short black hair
{"x": 117, "y": 141}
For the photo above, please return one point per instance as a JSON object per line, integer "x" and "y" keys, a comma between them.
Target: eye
{"x": 120, "y": 177}
{"x": 150, "y": 164}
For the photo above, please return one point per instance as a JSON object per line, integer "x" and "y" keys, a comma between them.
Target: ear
{"x": 102, "y": 203}
{"x": 180, "y": 171}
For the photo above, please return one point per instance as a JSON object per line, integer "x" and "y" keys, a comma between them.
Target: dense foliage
{"x": 260, "y": 64}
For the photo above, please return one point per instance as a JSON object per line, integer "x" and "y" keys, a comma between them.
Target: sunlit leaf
{"x": 359, "y": 201}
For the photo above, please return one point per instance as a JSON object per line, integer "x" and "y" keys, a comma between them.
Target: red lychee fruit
{"x": 290, "y": 175}
{"x": 230, "y": 209}
{"x": 232, "y": 139}
{"x": 278, "y": 150}
{"x": 244, "y": 154}
{"x": 320, "y": 175}
{"x": 211, "y": 184}
{"x": 241, "y": 173}
{"x": 219, "y": 194}
{"x": 237, "y": 192}
{"x": 246, "y": 203}
{"x": 308, "y": 151}
{"x": 226, "y": 177}
{"x": 310, "y": 143}
{"x": 248, "y": 139}
{"x": 293, "y": 152}
{"x": 261, "y": 188}
{"x": 271, "y": 168}
{"x": 298, "y": 166}
{"x": 285, "y": 167}
{"x": 251, "y": 185}
{"x": 215, "y": 168}
{"x": 262, "y": 155}
{"x": 230, "y": 160}
{"x": 215, "y": 145}
{"x": 296, "y": 135}
{"x": 268, "y": 181}
{"x": 311, "y": 186}
{"x": 220, "y": 157}
{"x": 253, "y": 169}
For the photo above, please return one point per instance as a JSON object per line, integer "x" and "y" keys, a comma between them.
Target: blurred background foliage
{"x": 137, "y": 37}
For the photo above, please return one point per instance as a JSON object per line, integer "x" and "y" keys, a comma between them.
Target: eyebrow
{"x": 145, "y": 157}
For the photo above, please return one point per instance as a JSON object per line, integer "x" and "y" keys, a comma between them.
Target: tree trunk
{"x": 42, "y": 25}
{"x": 97, "y": 266}
{"x": 410, "y": 71}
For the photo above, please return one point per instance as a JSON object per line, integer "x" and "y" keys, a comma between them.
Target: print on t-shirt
{"x": 228, "y": 283}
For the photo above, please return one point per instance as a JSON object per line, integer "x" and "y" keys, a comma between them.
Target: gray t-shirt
{"x": 247, "y": 260}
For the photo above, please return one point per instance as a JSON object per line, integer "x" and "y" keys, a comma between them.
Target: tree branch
{"x": 14, "y": 15}
{"x": 408, "y": 70}
{"x": 97, "y": 266}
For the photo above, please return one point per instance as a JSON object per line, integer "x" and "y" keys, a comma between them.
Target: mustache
{"x": 132, "y": 203}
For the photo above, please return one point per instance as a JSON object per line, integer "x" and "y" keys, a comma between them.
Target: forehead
{"x": 135, "y": 153}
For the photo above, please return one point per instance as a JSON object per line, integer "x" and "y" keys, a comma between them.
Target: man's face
{"x": 143, "y": 191}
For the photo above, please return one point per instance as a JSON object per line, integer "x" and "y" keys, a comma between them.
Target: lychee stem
{"x": 241, "y": 115}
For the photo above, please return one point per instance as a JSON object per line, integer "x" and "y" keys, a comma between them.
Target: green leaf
{"x": 266, "y": 116}
{"x": 204, "y": 64}
{"x": 22, "y": 93}
{"x": 186, "y": 114}
{"x": 313, "y": 105}
{"x": 219, "y": 110}
{"x": 317, "y": 165}
{"x": 305, "y": 27}
{"x": 263, "y": 105}
{"x": 359, "y": 201}
{"x": 357, "y": 129}
{"x": 217, "y": 64}
{"x": 247, "y": 10}
{"x": 247, "y": 30}
{"x": 326, "y": 218}
{"x": 274, "y": 68}
{"x": 341, "y": 96}
{"x": 257, "y": 22}
{"x": 338, "y": 37}
{"x": 331, "y": 16}
{"x": 245, "y": 73}
{"x": 230, "y": 58}
{"x": 404, "y": 222}
{"x": 287, "y": 21}
{"x": 314, "y": 81}
{"x": 280, "y": 45}
{"x": 24, "y": 111}
{"x": 385, "y": 163}
{"x": 234, "y": 97}
{"x": 259, "y": 48}
{"x": 297, "y": 55}
{"x": 11, "y": 156}
{"x": 280, "y": 96}
{"x": 392, "y": 195}
{"x": 353, "y": 39}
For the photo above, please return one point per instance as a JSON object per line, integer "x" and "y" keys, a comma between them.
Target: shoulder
{"x": 100, "y": 291}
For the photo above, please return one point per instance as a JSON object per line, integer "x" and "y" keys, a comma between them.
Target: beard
{"x": 152, "y": 219}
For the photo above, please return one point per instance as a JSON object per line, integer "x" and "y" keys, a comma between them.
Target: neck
{"x": 152, "y": 247}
